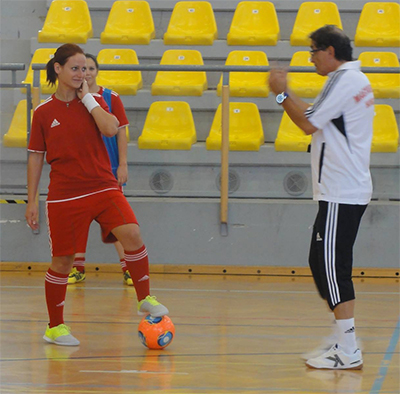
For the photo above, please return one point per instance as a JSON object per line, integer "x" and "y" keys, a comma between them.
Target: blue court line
{"x": 376, "y": 388}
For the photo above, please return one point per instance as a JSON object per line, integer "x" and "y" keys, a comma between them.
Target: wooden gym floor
{"x": 234, "y": 334}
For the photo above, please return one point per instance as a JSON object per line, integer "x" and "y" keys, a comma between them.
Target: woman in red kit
{"x": 117, "y": 151}
{"x": 68, "y": 128}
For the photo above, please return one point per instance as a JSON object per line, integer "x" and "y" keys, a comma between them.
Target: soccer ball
{"x": 156, "y": 332}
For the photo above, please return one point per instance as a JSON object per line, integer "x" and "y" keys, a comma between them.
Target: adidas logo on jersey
{"x": 55, "y": 123}
{"x": 318, "y": 238}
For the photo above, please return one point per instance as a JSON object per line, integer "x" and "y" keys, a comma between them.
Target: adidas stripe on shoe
{"x": 127, "y": 278}
{"x": 76, "y": 276}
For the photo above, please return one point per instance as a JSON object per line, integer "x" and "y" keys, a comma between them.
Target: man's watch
{"x": 281, "y": 97}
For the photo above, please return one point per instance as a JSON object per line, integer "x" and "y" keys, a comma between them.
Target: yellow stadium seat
{"x": 311, "y": 16}
{"x": 247, "y": 84}
{"x": 191, "y": 23}
{"x": 379, "y": 25}
{"x": 67, "y": 21}
{"x": 305, "y": 84}
{"x": 180, "y": 83}
{"x": 16, "y": 135}
{"x": 385, "y": 136}
{"x": 168, "y": 125}
{"x": 245, "y": 128}
{"x": 254, "y": 23}
{"x": 123, "y": 82}
{"x": 383, "y": 85}
{"x": 129, "y": 22}
{"x": 290, "y": 137}
{"x": 41, "y": 55}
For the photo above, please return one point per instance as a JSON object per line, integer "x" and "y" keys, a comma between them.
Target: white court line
{"x": 135, "y": 371}
{"x": 210, "y": 290}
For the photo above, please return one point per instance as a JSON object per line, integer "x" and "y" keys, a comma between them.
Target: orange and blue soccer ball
{"x": 156, "y": 332}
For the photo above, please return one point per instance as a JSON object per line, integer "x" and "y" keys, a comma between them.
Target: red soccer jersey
{"x": 74, "y": 148}
{"x": 117, "y": 108}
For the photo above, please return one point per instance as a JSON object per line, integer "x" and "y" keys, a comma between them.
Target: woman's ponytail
{"x": 51, "y": 74}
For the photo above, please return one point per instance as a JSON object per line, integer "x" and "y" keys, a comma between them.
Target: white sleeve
{"x": 331, "y": 101}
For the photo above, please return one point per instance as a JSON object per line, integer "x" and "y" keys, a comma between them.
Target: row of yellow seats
{"x": 193, "y": 23}
{"x": 385, "y": 136}
{"x": 243, "y": 84}
{"x": 170, "y": 125}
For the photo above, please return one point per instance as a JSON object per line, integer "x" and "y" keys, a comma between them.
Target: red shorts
{"x": 69, "y": 221}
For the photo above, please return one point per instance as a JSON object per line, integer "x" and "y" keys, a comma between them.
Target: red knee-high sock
{"x": 123, "y": 265}
{"x": 55, "y": 289}
{"x": 79, "y": 264}
{"x": 138, "y": 266}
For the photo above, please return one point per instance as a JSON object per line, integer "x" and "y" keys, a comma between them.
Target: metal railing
{"x": 215, "y": 68}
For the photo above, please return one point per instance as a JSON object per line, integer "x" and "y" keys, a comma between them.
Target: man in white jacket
{"x": 340, "y": 122}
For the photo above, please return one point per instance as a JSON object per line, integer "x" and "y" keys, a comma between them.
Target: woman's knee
{"x": 136, "y": 237}
{"x": 132, "y": 232}
{"x": 62, "y": 264}
{"x": 129, "y": 236}
{"x": 136, "y": 231}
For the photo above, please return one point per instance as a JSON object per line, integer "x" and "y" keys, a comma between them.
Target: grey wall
{"x": 187, "y": 231}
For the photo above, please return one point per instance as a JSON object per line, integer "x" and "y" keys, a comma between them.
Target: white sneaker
{"x": 324, "y": 346}
{"x": 335, "y": 358}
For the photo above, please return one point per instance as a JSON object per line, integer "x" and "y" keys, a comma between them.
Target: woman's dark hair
{"x": 94, "y": 58}
{"x": 63, "y": 53}
{"x": 331, "y": 35}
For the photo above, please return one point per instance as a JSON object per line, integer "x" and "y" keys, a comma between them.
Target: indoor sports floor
{"x": 234, "y": 334}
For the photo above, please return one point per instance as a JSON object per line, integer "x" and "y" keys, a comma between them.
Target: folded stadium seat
{"x": 305, "y": 84}
{"x": 123, "y": 82}
{"x": 254, "y": 23}
{"x": 379, "y": 25}
{"x": 168, "y": 125}
{"x": 174, "y": 83}
{"x": 41, "y": 55}
{"x": 290, "y": 137}
{"x": 191, "y": 23}
{"x": 384, "y": 85}
{"x": 67, "y": 21}
{"x": 129, "y": 22}
{"x": 16, "y": 135}
{"x": 245, "y": 128}
{"x": 247, "y": 84}
{"x": 311, "y": 16}
{"x": 385, "y": 136}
